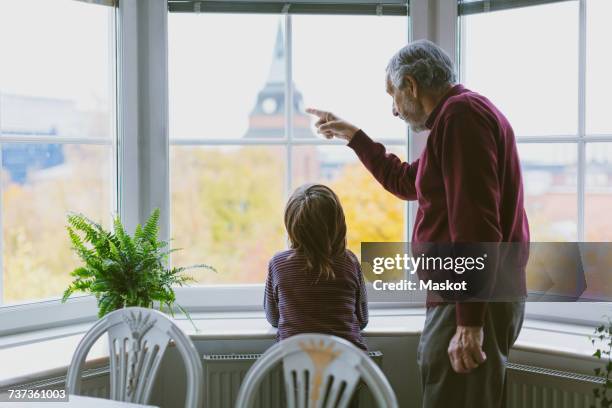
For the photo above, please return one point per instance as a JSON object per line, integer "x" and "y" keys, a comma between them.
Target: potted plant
{"x": 122, "y": 270}
{"x": 602, "y": 340}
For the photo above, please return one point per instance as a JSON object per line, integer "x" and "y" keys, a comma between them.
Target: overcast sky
{"x": 525, "y": 60}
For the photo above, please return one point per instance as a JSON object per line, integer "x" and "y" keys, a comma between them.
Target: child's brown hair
{"x": 316, "y": 226}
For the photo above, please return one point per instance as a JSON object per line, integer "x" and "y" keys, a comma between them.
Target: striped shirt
{"x": 296, "y": 303}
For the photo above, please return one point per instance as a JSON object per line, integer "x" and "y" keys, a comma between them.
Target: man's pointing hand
{"x": 330, "y": 126}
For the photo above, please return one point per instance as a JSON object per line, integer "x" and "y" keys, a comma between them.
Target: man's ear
{"x": 410, "y": 86}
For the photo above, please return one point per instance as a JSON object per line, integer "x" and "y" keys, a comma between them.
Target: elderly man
{"x": 468, "y": 185}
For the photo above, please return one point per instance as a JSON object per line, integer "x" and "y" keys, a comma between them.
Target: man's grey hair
{"x": 428, "y": 64}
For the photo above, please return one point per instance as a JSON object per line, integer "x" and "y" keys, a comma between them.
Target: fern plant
{"x": 121, "y": 270}
{"x": 602, "y": 339}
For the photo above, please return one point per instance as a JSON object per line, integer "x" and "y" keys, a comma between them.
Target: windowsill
{"x": 46, "y": 353}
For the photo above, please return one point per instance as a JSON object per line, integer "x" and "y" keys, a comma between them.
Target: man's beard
{"x": 415, "y": 116}
{"x": 417, "y": 127}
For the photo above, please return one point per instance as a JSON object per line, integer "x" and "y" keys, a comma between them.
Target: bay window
{"x": 548, "y": 78}
{"x": 57, "y": 137}
{"x": 238, "y": 149}
{"x": 92, "y": 121}
{"x": 543, "y": 64}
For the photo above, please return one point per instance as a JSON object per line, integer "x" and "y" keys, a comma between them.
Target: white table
{"x": 76, "y": 401}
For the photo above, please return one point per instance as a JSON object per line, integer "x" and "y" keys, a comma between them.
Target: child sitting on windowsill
{"x": 316, "y": 286}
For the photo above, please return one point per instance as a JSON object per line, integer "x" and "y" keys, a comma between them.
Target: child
{"x": 317, "y": 285}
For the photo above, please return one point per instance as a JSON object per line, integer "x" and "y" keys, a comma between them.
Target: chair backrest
{"x": 320, "y": 371}
{"x": 137, "y": 339}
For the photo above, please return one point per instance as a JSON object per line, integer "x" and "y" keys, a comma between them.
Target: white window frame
{"x": 143, "y": 163}
{"x": 580, "y": 139}
{"x": 143, "y": 157}
{"x": 43, "y": 313}
{"x": 250, "y": 297}
{"x": 580, "y": 312}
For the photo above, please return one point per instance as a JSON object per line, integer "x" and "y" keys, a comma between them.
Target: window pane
{"x": 372, "y": 214}
{"x": 598, "y": 198}
{"x": 339, "y": 65}
{"x": 227, "y": 210}
{"x": 549, "y": 177}
{"x": 529, "y": 70}
{"x": 598, "y": 223}
{"x": 599, "y": 66}
{"x": 56, "y": 77}
{"x": 41, "y": 183}
{"x": 56, "y": 81}
{"x": 222, "y": 85}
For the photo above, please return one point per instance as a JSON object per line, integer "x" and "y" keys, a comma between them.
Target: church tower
{"x": 267, "y": 119}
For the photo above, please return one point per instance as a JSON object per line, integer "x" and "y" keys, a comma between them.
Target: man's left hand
{"x": 465, "y": 349}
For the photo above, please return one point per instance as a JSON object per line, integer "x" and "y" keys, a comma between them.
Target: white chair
{"x": 137, "y": 339}
{"x": 320, "y": 371}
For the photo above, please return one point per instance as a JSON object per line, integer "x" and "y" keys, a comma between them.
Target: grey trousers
{"x": 484, "y": 387}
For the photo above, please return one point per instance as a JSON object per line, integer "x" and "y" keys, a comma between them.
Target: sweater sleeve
{"x": 467, "y": 154}
{"x": 395, "y": 176}
{"x": 270, "y": 299}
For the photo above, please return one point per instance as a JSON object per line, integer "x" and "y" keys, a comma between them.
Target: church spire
{"x": 277, "y": 68}
{"x": 267, "y": 118}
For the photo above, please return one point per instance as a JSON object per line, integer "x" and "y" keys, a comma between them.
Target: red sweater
{"x": 467, "y": 180}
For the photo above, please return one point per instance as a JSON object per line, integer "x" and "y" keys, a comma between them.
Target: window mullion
{"x": 44, "y": 139}
{"x": 153, "y": 143}
{"x": 288, "y": 107}
{"x": 581, "y": 170}
{"x": 127, "y": 115}
{"x": 288, "y": 101}
{"x": 114, "y": 125}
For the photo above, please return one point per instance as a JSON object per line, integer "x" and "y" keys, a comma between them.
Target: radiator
{"x": 527, "y": 386}
{"x": 223, "y": 374}
{"x": 535, "y": 387}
